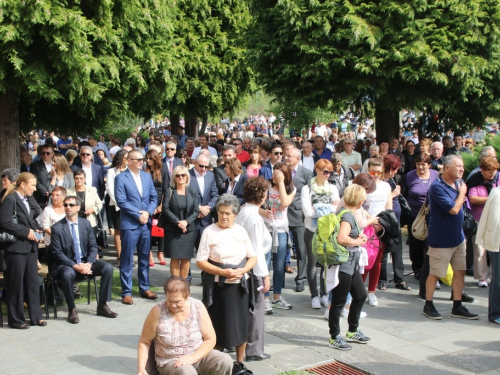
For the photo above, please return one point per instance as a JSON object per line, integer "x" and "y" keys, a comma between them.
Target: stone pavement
{"x": 403, "y": 340}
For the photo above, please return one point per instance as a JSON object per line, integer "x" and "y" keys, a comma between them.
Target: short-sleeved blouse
{"x": 49, "y": 218}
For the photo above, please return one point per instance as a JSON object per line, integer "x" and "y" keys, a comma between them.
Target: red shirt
{"x": 243, "y": 157}
{"x": 190, "y": 153}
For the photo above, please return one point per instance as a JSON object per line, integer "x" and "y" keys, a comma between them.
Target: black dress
{"x": 180, "y": 245}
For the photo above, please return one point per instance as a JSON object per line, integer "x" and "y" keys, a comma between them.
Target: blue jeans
{"x": 278, "y": 263}
{"x": 494, "y": 297}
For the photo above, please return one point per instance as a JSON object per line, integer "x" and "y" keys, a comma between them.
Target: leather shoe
{"x": 149, "y": 295}
{"x": 288, "y": 269}
{"x": 259, "y": 357}
{"x": 73, "y": 316}
{"x": 465, "y": 298}
{"x": 299, "y": 287}
{"x": 127, "y": 300}
{"x": 104, "y": 310}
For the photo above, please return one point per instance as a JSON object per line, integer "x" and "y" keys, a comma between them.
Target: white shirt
{"x": 138, "y": 181}
{"x": 229, "y": 188}
{"x": 352, "y": 159}
{"x": 197, "y": 150}
{"x": 201, "y": 181}
{"x": 308, "y": 162}
{"x": 88, "y": 174}
{"x": 377, "y": 200}
{"x": 48, "y": 166}
{"x": 260, "y": 237}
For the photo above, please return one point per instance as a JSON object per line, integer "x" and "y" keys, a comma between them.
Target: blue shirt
{"x": 63, "y": 142}
{"x": 326, "y": 154}
{"x": 445, "y": 229}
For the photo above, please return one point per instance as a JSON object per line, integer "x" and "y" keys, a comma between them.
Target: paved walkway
{"x": 403, "y": 340}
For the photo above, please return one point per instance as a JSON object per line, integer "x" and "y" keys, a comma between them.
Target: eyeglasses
{"x": 148, "y": 159}
{"x": 327, "y": 173}
{"x": 182, "y": 175}
{"x": 85, "y": 154}
{"x": 375, "y": 173}
{"x": 277, "y": 153}
{"x": 347, "y": 143}
{"x": 203, "y": 166}
{"x": 139, "y": 160}
{"x": 46, "y": 153}
{"x": 170, "y": 149}
{"x": 70, "y": 204}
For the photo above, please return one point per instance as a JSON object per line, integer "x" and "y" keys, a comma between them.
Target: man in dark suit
{"x": 203, "y": 182}
{"x": 276, "y": 157}
{"x": 136, "y": 197}
{"x": 228, "y": 152}
{"x": 301, "y": 177}
{"x": 74, "y": 251}
{"x": 94, "y": 174}
{"x": 170, "y": 161}
{"x": 25, "y": 161}
{"x": 41, "y": 169}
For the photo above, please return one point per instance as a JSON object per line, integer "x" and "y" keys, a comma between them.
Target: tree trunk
{"x": 386, "y": 123}
{"x": 174, "y": 122}
{"x": 9, "y": 131}
{"x": 204, "y": 122}
{"x": 191, "y": 122}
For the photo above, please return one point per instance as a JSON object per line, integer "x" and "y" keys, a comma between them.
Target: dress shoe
{"x": 299, "y": 287}
{"x": 41, "y": 323}
{"x": 22, "y": 326}
{"x": 230, "y": 350}
{"x": 288, "y": 269}
{"x": 259, "y": 357}
{"x": 73, "y": 316}
{"x": 104, "y": 310}
{"x": 149, "y": 295}
{"x": 127, "y": 300}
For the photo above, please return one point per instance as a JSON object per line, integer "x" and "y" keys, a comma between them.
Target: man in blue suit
{"x": 203, "y": 182}
{"x": 275, "y": 157}
{"x": 136, "y": 197}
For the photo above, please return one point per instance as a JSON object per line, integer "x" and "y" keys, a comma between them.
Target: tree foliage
{"x": 442, "y": 55}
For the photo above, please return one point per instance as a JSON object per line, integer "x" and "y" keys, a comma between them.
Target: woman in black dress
{"x": 180, "y": 210}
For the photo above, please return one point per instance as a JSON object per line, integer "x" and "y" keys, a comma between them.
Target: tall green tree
{"x": 78, "y": 64}
{"x": 209, "y": 43}
{"x": 439, "y": 55}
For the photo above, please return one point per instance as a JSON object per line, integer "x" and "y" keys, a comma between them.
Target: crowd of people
{"x": 244, "y": 201}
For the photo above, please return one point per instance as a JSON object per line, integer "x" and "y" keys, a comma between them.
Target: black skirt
{"x": 229, "y": 315}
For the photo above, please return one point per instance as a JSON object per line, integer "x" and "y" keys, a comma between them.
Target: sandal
{"x": 402, "y": 286}
{"x": 382, "y": 285}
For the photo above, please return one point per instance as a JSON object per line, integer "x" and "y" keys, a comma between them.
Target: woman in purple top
{"x": 479, "y": 186}
{"x": 416, "y": 184}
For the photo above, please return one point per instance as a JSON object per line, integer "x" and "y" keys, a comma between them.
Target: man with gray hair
{"x": 446, "y": 198}
{"x": 94, "y": 174}
{"x": 228, "y": 152}
{"x": 170, "y": 161}
{"x": 437, "y": 156}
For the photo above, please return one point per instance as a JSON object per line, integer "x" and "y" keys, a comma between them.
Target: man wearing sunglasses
{"x": 170, "y": 161}
{"x": 136, "y": 197}
{"x": 341, "y": 175}
{"x": 275, "y": 157}
{"x": 41, "y": 169}
{"x": 241, "y": 154}
{"x": 74, "y": 251}
{"x": 94, "y": 173}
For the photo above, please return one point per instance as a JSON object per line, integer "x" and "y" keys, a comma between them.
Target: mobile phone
{"x": 39, "y": 236}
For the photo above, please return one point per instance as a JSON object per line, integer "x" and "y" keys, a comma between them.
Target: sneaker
{"x": 339, "y": 343}
{"x": 282, "y": 304}
{"x": 438, "y": 285}
{"x": 482, "y": 283}
{"x": 432, "y": 313}
{"x": 363, "y": 314}
{"x": 315, "y": 303}
{"x": 372, "y": 299}
{"x": 497, "y": 321}
{"x": 268, "y": 308}
{"x": 462, "y": 312}
{"x": 465, "y": 298}
{"x": 327, "y": 314}
{"x": 324, "y": 300}
{"x": 357, "y": 337}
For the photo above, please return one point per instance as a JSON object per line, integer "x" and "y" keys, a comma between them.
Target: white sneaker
{"x": 315, "y": 303}
{"x": 268, "y": 307}
{"x": 324, "y": 300}
{"x": 438, "y": 286}
{"x": 281, "y": 304}
{"x": 327, "y": 314}
{"x": 372, "y": 299}
{"x": 482, "y": 283}
{"x": 345, "y": 313}
{"x": 363, "y": 314}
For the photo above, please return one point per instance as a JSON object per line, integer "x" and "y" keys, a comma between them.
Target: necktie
{"x": 170, "y": 166}
{"x": 76, "y": 244}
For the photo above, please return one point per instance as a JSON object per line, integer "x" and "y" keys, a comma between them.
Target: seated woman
{"x": 226, "y": 255}
{"x": 183, "y": 336}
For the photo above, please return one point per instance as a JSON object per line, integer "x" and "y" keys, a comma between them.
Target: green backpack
{"x": 325, "y": 247}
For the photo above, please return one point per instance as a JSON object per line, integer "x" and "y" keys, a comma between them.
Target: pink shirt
{"x": 478, "y": 191}
{"x": 253, "y": 172}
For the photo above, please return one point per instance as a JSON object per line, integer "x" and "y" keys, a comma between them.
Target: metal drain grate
{"x": 335, "y": 368}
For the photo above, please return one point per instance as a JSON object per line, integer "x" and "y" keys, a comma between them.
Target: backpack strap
{"x": 339, "y": 215}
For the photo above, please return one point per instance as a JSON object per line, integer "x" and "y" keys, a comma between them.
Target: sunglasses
{"x": 327, "y": 173}
{"x": 373, "y": 173}
{"x": 182, "y": 175}
{"x": 170, "y": 149}
{"x": 46, "y": 153}
{"x": 148, "y": 159}
{"x": 277, "y": 153}
{"x": 70, "y": 204}
{"x": 139, "y": 160}
{"x": 85, "y": 154}
{"x": 203, "y": 166}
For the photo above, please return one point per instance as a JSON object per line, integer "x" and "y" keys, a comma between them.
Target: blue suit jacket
{"x": 266, "y": 171}
{"x": 209, "y": 197}
{"x": 127, "y": 197}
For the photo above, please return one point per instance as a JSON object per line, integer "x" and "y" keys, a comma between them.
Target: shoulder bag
{"x": 419, "y": 229}
{"x": 7, "y": 237}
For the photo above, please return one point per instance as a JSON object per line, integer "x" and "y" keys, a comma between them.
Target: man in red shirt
{"x": 189, "y": 146}
{"x": 241, "y": 154}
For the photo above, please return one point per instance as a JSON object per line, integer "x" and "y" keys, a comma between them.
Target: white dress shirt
{"x": 308, "y": 162}
{"x": 88, "y": 174}
{"x": 138, "y": 181}
{"x": 201, "y": 181}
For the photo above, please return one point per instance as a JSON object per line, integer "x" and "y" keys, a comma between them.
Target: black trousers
{"x": 67, "y": 276}
{"x": 347, "y": 284}
{"x": 418, "y": 248}
{"x": 300, "y": 250}
{"x": 22, "y": 285}
{"x": 397, "y": 265}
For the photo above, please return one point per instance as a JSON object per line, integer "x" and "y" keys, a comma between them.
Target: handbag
{"x": 469, "y": 226}
{"x": 405, "y": 207}
{"x": 157, "y": 231}
{"x": 372, "y": 246}
{"x": 7, "y": 237}
{"x": 419, "y": 229}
